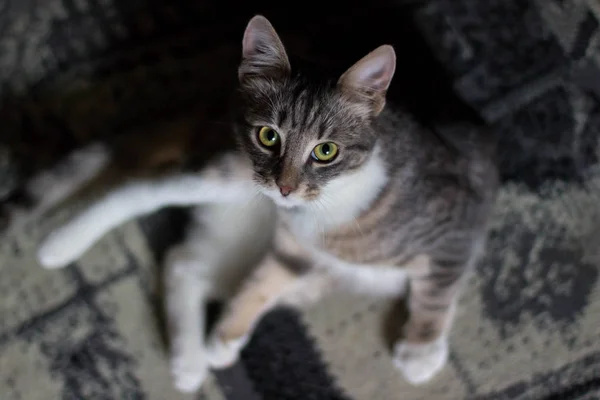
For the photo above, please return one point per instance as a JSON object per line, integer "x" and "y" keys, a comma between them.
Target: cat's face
{"x": 300, "y": 138}
{"x": 304, "y": 137}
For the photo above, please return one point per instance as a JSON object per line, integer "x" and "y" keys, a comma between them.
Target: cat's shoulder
{"x": 448, "y": 139}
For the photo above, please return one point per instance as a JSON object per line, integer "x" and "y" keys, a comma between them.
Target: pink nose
{"x": 285, "y": 190}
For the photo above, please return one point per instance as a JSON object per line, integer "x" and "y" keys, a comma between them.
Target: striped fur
{"x": 398, "y": 205}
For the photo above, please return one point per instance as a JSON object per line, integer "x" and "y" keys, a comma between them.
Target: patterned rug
{"x": 73, "y": 71}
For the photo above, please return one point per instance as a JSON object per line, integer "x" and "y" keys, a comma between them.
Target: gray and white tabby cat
{"x": 322, "y": 185}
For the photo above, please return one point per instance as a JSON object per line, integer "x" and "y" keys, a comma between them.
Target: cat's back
{"x": 442, "y": 183}
{"x": 461, "y": 153}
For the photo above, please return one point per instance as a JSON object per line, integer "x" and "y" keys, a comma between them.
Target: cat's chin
{"x": 287, "y": 206}
{"x": 287, "y": 203}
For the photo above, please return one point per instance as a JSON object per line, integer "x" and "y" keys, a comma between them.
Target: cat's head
{"x": 305, "y": 138}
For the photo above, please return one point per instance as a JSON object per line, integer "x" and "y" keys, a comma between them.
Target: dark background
{"x": 501, "y": 58}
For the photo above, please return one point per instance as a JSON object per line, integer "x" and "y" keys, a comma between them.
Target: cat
{"x": 315, "y": 185}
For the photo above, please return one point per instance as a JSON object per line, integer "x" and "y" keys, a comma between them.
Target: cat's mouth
{"x": 290, "y": 201}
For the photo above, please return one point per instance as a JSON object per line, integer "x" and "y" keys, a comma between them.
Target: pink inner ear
{"x": 258, "y": 34}
{"x": 374, "y": 71}
{"x": 255, "y": 38}
{"x": 249, "y": 43}
{"x": 375, "y": 74}
{"x": 262, "y": 46}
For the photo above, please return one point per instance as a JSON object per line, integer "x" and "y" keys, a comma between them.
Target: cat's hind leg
{"x": 435, "y": 285}
{"x": 286, "y": 275}
{"x": 221, "y": 247}
{"x": 259, "y": 293}
{"x": 186, "y": 293}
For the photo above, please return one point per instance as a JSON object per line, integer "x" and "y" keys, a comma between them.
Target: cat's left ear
{"x": 369, "y": 79}
{"x": 263, "y": 54}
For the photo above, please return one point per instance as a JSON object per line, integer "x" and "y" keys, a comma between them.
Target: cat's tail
{"x": 225, "y": 180}
{"x": 51, "y": 187}
{"x": 91, "y": 171}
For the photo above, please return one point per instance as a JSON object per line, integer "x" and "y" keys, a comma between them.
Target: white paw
{"x": 420, "y": 362}
{"x": 55, "y": 252}
{"x": 222, "y": 354}
{"x": 189, "y": 370}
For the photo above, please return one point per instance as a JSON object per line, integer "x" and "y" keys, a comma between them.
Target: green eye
{"x": 268, "y": 137}
{"x": 325, "y": 152}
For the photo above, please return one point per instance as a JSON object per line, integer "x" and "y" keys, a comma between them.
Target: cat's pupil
{"x": 326, "y": 149}
{"x": 270, "y": 136}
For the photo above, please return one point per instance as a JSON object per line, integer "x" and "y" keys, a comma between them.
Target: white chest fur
{"x": 341, "y": 201}
{"x": 379, "y": 280}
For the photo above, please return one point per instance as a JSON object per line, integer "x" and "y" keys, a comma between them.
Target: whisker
{"x": 319, "y": 226}
{"x": 238, "y": 208}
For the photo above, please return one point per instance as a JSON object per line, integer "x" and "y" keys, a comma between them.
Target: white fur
{"x": 224, "y": 354}
{"x": 375, "y": 280}
{"x": 420, "y": 362}
{"x": 357, "y": 191}
{"x": 341, "y": 202}
{"x": 221, "y": 247}
{"x": 345, "y": 197}
{"x": 189, "y": 366}
{"x": 233, "y": 229}
{"x": 69, "y": 242}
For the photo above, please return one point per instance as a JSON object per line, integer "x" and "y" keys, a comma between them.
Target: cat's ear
{"x": 263, "y": 54}
{"x": 369, "y": 79}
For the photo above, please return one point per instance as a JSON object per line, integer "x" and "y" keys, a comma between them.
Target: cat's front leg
{"x": 261, "y": 291}
{"x": 434, "y": 289}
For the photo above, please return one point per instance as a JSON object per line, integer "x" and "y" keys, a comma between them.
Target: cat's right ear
{"x": 263, "y": 54}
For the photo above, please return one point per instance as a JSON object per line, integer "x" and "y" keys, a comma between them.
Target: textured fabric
{"x": 88, "y": 332}
{"x": 72, "y": 71}
{"x": 528, "y": 323}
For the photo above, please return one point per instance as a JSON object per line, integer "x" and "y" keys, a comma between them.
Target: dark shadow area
{"x": 391, "y": 325}
{"x": 178, "y": 56}
{"x": 105, "y": 70}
